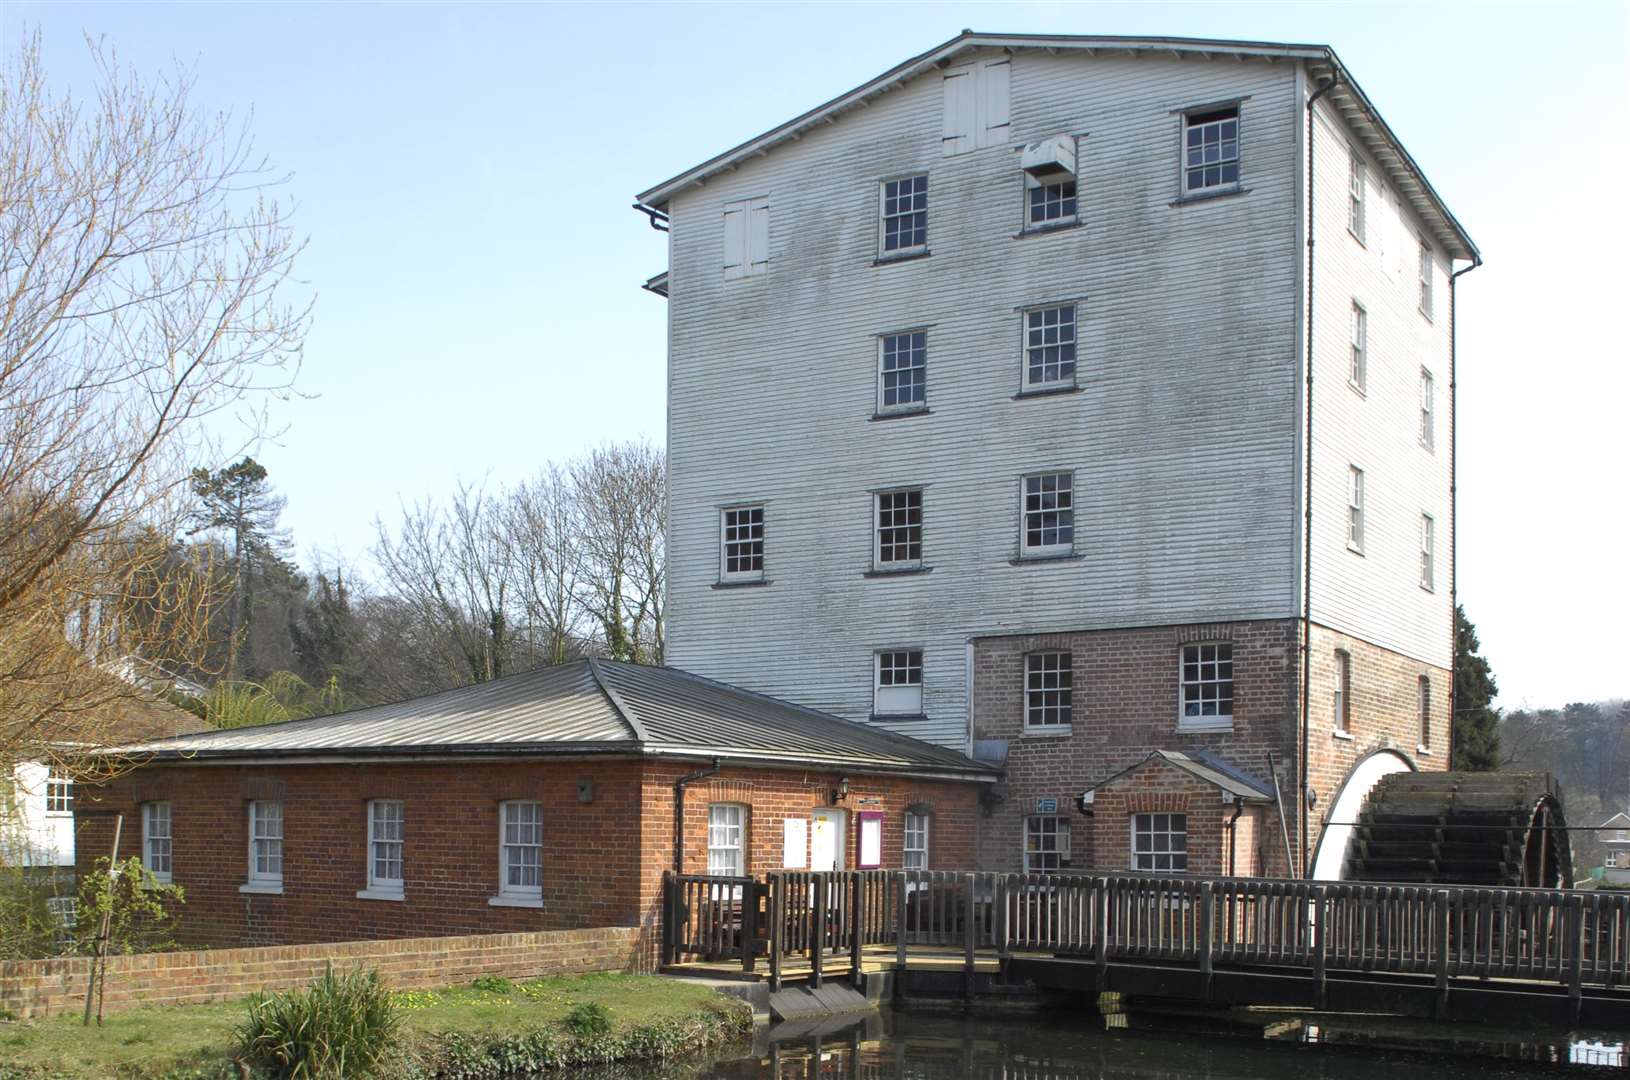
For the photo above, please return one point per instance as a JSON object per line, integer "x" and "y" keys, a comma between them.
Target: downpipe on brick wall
{"x": 1307, "y": 495}
{"x": 1454, "y": 523}
{"x": 679, "y": 811}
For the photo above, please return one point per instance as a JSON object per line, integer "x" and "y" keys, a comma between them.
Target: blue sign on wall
{"x": 1046, "y": 806}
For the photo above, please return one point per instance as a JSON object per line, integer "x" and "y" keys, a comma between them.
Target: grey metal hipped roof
{"x": 585, "y": 707}
{"x": 1214, "y": 770}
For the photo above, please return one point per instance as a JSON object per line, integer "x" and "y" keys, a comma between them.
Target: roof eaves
{"x": 1452, "y": 233}
{"x": 229, "y": 755}
{"x": 898, "y": 75}
{"x": 617, "y": 703}
{"x": 970, "y": 771}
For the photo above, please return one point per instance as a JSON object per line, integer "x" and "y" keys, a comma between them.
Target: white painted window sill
{"x": 268, "y": 888}
{"x": 1425, "y": 751}
{"x": 515, "y": 901}
{"x": 1205, "y": 727}
{"x": 381, "y": 894}
{"x": 1339, "y": 734}
{"x": 1054, "y": 732}
{"x": 153, "y": 880}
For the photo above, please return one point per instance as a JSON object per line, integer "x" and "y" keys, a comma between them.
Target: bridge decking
{"x": 1421, "y": 950}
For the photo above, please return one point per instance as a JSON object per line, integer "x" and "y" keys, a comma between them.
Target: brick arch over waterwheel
{"x": 1457, "y": 828}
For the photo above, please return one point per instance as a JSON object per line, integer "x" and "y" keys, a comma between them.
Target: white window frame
{"x": 884, "y": 217}
{"x": 748, "y": 253}
{"x": 1051, "y": 851}
{"x": 1611, "y": 862}
{"x": 1355, "y": 509}
{"x": 1031, "y": 185}
{"x": 59, "y": 794}
{"x": 1342, "y": 694}
{"x": 157, "y": 841}
{"x": 1201, "y": 655}
{"x": 1426, "y": 432}
{"x": 914, "y": 846}
{"x": 892, "y": 700}
{"x": 1066, "y": 514}
{"x": 1358, "y": 367}
{"x": 266, "y": 831}
{"x": 1357, "y": 183}
{"x": 510, "y": 894}
{"x": 1072, "y": 346}
{"x": 885, "y": 408}
{"x": 727, "y": 839}
{"x": 1038, "y": 666}
{"x": 1168, "y": 840}
{"x": 879, "y": 562}
{"x": 1429, "y": 543}
{"x": 381, "y": 886}
{"x": 725, "y": 542}
{"x": 1424, "y": 697}
{"x": 1207, "y": 116}
{"x": 1426, "y": 271}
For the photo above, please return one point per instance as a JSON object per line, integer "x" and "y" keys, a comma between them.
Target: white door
{"x": 826, "y": 840}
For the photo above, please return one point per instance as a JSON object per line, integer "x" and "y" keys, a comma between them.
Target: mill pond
{"x": 1070, "y": 1046}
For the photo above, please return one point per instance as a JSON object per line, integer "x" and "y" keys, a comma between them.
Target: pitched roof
{"x": 585, "y": 707}
{"x": 1620, "y": 820}
{"x": 1214, "y": 770}
{"x": 1346, "y": 95}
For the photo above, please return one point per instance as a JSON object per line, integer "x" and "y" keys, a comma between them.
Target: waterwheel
{"x": 1457, "y": 828}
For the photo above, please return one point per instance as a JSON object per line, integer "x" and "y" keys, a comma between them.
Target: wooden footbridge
{"x": 1450, "y": 952}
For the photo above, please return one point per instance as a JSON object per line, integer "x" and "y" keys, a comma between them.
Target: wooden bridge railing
{"x": 1560, "y": 937}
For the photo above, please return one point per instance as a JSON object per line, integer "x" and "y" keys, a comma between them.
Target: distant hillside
{"x": 1586, "y": 745}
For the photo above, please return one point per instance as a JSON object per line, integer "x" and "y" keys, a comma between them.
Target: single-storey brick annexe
{"x": 541, "y": 801}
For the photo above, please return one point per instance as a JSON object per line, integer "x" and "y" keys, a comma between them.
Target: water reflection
{"x": 909, "y": 1046}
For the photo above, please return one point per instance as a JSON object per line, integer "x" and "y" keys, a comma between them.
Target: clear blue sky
{"x": 465, "y": 174}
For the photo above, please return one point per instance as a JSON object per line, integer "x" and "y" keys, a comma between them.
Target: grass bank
{"x": 477, "y": 1032}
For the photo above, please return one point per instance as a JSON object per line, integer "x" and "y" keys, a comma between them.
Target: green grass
{"x": 148, "y": 1043}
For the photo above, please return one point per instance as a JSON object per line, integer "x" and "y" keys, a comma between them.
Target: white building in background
{"x": 1614, "y": 835}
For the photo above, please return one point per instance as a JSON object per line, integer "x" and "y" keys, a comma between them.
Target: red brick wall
{"x": 602, "y": 860}
{"x": 44, "y": 987}
{"x": 1159, "y": 788}
{"x": 450, "y": 847}
{"x": 1125, "y": 704}
{"x": 773, "y": 795}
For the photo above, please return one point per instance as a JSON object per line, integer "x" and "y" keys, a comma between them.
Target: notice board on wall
{"x": 794, "y": 843}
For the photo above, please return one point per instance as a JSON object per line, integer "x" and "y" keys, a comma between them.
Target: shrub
{"x": 588, "y": 1020}
{"x": 342, "y": 1026}
{"x": 492, "y": 984}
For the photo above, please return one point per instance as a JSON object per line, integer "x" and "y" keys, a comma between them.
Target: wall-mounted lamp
{"x": 1312, "y": 797}
{"x": 841, "y": 792}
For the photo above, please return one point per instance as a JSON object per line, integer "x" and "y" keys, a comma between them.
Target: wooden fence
{"x": 1553, "y": 936}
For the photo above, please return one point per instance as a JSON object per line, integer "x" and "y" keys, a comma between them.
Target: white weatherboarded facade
{"x": 1183, "y": 431}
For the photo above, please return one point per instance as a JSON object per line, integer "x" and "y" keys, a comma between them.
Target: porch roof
{"x": 1214, "y": 770}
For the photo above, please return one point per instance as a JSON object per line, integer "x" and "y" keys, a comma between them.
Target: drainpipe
{"x": 679, "y": 811}
{"x": 1307, "y": 493}
{"x": 1239, "y": 808}
{"x": 659, "y": 220}
{"x": 1454, "y": 531}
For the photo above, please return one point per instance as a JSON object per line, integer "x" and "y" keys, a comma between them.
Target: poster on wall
{"x": 794, "y": 843}
{"x": 871, "y": 841}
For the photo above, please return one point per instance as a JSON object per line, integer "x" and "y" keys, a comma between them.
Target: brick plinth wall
{"x": 44, "y": 987}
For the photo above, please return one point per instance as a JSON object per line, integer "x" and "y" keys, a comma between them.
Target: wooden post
{"x": 1576, "y": 940}
{"x": 667, "y": 918}
{"x": 99, "y": 950}
{"x": 1440, "y": 937}
{"x": 857, "y": 924}
{"x": 817, "y": 927}
{"x": 1206, "y": 901}
{"x": 1318, "y": 946}
{"x": 969, "y": 932}
{"x": 1101, "y": 889}
{"x": 900, "y": 905}
{"x": 1004, "y": 923}
{"x": 751, "y": 894}
{"x": 778, "y": 927}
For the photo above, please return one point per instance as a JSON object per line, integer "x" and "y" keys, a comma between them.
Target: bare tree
{"x": 539, "y": 521}
{"x": 451, "y": 568}
{"x": 144, "y": 274}
{"x": 620, "y": 497}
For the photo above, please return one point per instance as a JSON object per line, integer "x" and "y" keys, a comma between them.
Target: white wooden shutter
{"x": 961, "y": 109}
{"x": 758, "y": 235}
{"x": 735, "y": 239}
{"x": 994, "y": 95}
